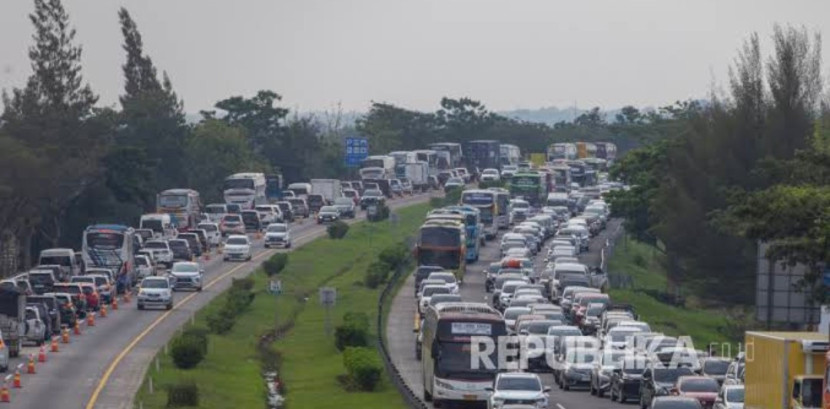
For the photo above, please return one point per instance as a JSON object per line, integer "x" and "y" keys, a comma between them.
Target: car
{"x": 454, "y": 183}
{"x": 490, "y": 175}
{"x": 35, "y": 326}
{"x": 287, "y": 210}
{"x": 429, "y": 291}
{"x": 702, "y": 388}
{"x": 68, "y": 311}
{"x": 42, "y": 281}
{"x": 421, "y": 274}
{"x": 251, "y": 220}
{"x": 144, "y": 266}
{"x": 300, "y": 207}
{"x": 202, "y": 234}
{"x": 268, "y": 214}
{"x": 102, "y": 283}
{"x": 193, "y": 243}
{"x": 155, "y": 291}
{"x": 517, "y": 387}
{"x": 77, "y": 294}
{"x": 353, "y": 195}
{"x": 658, "y": 380}
{"x": 187, "y": 275}
{"x": 328, "y": 214}
{"x": 346, "y": 207}
{"x": 161, "y": 251}
{"x": 93, "y": 298}
{"x": 730, "y": 397}
{"x": 448, "y": 278}
{"x": 576, "y": 365}
{"x": 675, "y": 402}
{"x": 237, "y": 247}
{"x": 371, "y": 197}
{"x": 233, "y": 208}
{"x": 45, "y": 316}
{"x": 406, "y": 186}
{"x": 145, "y": 234}
{"x": 603, "y": 371}
{"x": 395, "y": 187}
{"x": 715, "y": 368}
{"x": 53, "y": 310}
{"x": 231, "y": 224}
{"x": 626, "y": 377}
{"x": 181, "y": 250}
{"x": 277, "y": 235}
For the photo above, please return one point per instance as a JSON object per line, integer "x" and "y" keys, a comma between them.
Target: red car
{"x": 93, "y": 300}
{"x": 702, "y": 388}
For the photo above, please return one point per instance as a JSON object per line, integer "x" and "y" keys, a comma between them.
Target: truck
{"x": 330, "y": 189}
{"x": 417, "y": 173}
{"x": 377, "y": 167}
{"x": 784, "y": 369}
{"x": 13, "y": 318}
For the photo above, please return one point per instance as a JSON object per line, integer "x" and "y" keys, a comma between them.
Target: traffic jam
{"x": 547, "y": 317}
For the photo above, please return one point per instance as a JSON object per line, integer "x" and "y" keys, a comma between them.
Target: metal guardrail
{"x": 411, "y": 398}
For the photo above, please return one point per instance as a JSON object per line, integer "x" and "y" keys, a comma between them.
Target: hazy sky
{"x": 509, "y": 54}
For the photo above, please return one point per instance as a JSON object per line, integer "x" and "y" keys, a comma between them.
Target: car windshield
{"x": 83, "y": 280}
{"x": 621, "y": 336}
{"x": 343, "y": 201}
{"x": 141, "y": 261}
{"x": 699, "y": 385}
{"x": 238, "y": 241}
{"x": 509, "y": 383}
{"x": 670, "y": 375}
{"x": 155, "y": 245}
{"x": 208, "y": 227}
{"x": 154, "y": 284}
{"x": 186, "y": 268}
{"x": 180, "y": 244}
{"x": 513, "y": 313}
{"x": 715, "y": 367}
{"x": 71, "y": 289}
{"x": 328, "y": 209}
{"x": 232, "y": 218}
{"x": 372, "y": 193}
{"x": 429, "y": 291}
{"x": 520, "y": 205}
{"x": 277, "y": 228}
{"x": 735, "y": 395}
{"x": 40, "y": 278}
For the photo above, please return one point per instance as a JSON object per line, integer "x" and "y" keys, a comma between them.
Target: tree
{"x": 263, "y": 120}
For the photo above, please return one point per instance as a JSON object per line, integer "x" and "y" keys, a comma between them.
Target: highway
{"x": 104, "y": 367}
{"x": 401, "y": 339}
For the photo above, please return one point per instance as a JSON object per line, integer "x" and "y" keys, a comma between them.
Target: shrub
{"x": 395, "y": 255}
{"x": 246, "y": 283}
{"x": 187, "y": 351}
{"x": 338, "y": 229}
{"x": 363, "y": 367}
{"x": 200, "y": 335}
{"x": 221, "y": 321}
{"x": 184, "y": 393}
{"x": 376, "y": 274}
{"x": 275, "y": 264}
{"x": 238, "y": 300}
{"x": 354, "y": 332}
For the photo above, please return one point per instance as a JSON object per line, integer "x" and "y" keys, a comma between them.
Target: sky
{"x": 320, "y": 54}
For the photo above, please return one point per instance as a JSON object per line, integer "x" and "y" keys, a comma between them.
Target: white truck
{"x": 417, "y": 173}
{"x": 330, "y": 189}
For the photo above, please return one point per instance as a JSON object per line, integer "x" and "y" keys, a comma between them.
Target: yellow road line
{"x": 111, "y": 368}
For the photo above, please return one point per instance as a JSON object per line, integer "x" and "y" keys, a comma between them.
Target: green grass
{"x": 230, "y": 375}
{"x": 643, "y": 263}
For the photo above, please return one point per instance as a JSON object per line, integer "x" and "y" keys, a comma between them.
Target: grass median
{"x": 230, "y": 376}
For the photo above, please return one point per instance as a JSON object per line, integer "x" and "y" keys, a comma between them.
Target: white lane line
{"x": 558, "y": 405}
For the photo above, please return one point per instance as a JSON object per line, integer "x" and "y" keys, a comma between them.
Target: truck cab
{"x": 807, "y": 392}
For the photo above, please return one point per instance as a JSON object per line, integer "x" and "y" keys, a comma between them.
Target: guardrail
{"x": 411, "y": 398}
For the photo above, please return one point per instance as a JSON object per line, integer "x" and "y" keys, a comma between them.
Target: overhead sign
{"x": 357, "y": 149}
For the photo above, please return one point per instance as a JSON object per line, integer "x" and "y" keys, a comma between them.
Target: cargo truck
{"x": 13, "y": 318}
{"x": 418, "y": 174}
{"x": 785, "y": 369}
{"x": 330, "y": 189}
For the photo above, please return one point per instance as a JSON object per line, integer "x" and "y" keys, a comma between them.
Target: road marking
{"x": 560, "y": 406}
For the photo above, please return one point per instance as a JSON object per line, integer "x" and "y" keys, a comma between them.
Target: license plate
{"x": 469, "y": 397}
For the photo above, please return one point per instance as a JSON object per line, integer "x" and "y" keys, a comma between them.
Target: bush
{"x": 246, "y": 283}
{"x": 200, "y": 335}
{"x": 395, "y": 256}
{"x": 354, "y": 332}
{"x": 221, "y": 321}
{"x": 187, "y": 351}
{"x": 275, "y": 264}
{"x": 238, "y": 300}
{"x": 363, "y": 367}
{"x": 376, "y": 274}
{"x": 184, "y": 393}
{"x": 338, "y": 229}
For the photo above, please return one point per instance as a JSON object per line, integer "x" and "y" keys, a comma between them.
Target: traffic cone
{"x": 77, "y": 328}
{"x": 65, "y": 335}
{"x": 30, "y": 367}
{"x": 4, "y": 393}
{"x": 114, "y": 303}
{"x": 90, "y": 320}
{"x": 16, "y": 380}
{"x": 127, "y": 297}
{"x": 103, "y": 311}
{"x": 41, "y": 355}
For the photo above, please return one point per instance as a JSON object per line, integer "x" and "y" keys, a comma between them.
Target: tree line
{"x": 749, "y": 163}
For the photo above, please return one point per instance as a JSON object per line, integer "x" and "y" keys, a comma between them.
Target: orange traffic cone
{"x": 41, "y": 355}
{"x": 4, "y": 393}
{"x": 30, "y": 367}
{"x": 77, "y": 328}
{"x": 55, "y": 347}
{"x": 103, "y": 311}
{"x": 114, "y": 303}
{"x": 65, "y": 335}
{"x": 126, "y": 297}
{"x": 16, "y": 380}
{"x": 90, "y": 319}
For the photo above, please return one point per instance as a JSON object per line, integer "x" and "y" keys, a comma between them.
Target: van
{"x": 300, "y": 189}
{"x": 160, "y": 223}
{"x": 558, "y": 199}
{"x": 65, "y": 258}
{"x": 42, "y": 281}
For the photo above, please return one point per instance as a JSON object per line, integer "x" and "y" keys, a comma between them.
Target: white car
{"x": 187, "y": 274}
{"x": 155, "y": 291}
{"x": 730, "y": 397}
{"x": 214, "y": 236}
{"x": 448, "y": 278}
{"x": 269, "y": 214}
{"x": 428, "y": 292}
{"x": 161, "y": 251}
{"x": 277, "y": 235}
{"x": 512, "y": 387}
{"x": 490, "y": 174}
{"x": 237, "y": 247}
{"x": 35, "y": 328}
{"x": 144, "y": 266}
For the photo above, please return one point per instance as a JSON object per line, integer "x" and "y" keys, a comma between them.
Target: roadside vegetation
{"x": 287, "y": 332}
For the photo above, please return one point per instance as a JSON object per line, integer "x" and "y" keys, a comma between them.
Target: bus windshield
{"x": 440, "y": 237}
{"x": 445, "y": 258}
{"x": 104, "y": 241}
{"x": 173, "y": 200}
{"x": 239, "y": 184}
{"x": 154, "y": 225}
{"x": 454, "y": 361}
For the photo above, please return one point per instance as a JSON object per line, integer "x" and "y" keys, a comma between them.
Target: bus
{"x": 483, "y": 154}
{"x": 530, "y": 186}
{"x": 561, "y": 151}
{"x": 454, "y": 149}
{"x": 607, "y": 151}
{"x": 502, "y": 205}
{"x": 112, "y": 246}
{"x": 470, "y": 217}
{"x": 443, "y": 243}
{"x": 245, "y": 189}
{"x": 509, "y": 154}
{"x": 561, "y": 178}
{"x": 428, "y": 156}
{"x": 183, "y": 206}
{"x": 450, "y": 333}
{"x": 273, "y": 188}
{"x": 487, "y": 204}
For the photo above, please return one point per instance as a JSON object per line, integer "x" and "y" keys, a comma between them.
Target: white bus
{"x": 449, "y": 331}
{"x": 112, "y": 246}
{"x": 245, "y": 189}
{"x": 510, "y": 154}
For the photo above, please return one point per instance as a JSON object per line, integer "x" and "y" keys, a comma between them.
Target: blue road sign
{"x": 357, "y": 149}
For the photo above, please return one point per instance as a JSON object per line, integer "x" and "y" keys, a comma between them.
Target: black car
{"x": 193, "y": 242}
{"x": 625, "y": 379}
{"x": 315, "y": 202}
{"x": 658, "y": 380}
{"x": 181, "y": 250}
{"x": 422, "y": 272}
{"x": 287, "y": 210}
{"x": 251, "y": 220}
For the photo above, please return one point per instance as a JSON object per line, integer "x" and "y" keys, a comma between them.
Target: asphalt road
{"x": 401, "y": 321}
{"x": 104, "y": 367}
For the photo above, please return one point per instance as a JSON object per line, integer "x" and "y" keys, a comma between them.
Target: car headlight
{"x": 444, "y": 385}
